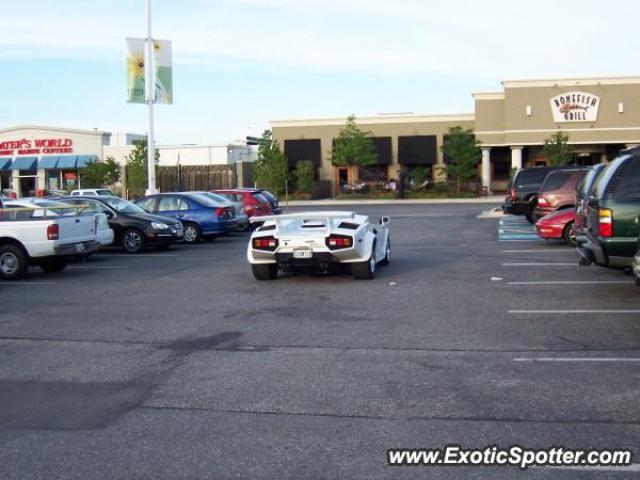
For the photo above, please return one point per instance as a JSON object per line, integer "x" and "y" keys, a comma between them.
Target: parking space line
{"x": 541, "y": 250}
{"x": 620, "y": 312}
{"x": 576, "y": 359}
{"x": 574, "y": 282}
{"x": 137, "y": 255}
{"x": 91, "y": 267}
{"x": 539, "y": 264}
{"x": 27, "y": 284}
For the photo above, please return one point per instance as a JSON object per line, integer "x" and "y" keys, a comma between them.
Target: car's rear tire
{"x": 637, "y": 280}
{"x": 14, "y": 263}
{"x": 387, "y": 254}
{"x": 53, "y": 265}
{"x": 364, "y": 270}
{"x": 530, "y": 218}
{"x": 267, "y": 271}
{"x": 191, "y": 233}
{"x": 133, "y": 241}
{"x": 567, "y": 236}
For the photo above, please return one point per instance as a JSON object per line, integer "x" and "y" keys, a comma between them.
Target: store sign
{"x": 39, "y": 146}
{"x": 575, "y": 107}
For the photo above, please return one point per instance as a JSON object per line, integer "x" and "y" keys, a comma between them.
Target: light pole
{"x": 150, "y": 86}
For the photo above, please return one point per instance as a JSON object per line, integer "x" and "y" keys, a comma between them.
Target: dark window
{"x": 372, "y": 173}
{"x": 417, "y": 150}
{"x": 298, "y": 150}
{"x": 532, "y": 175}
{"x": 629, "y": 182}
{"x": 382, "y": 146}
{"x": 554, "y": 181}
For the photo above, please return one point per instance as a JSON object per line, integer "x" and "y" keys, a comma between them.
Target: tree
{"x": 304, "y": 175}
{"x": 557, "y": 149}
{"x": 463, "y": 154}
{"x": 100, "y": 174}
{"x": 353, "y": 148}
{"x": 137, "y": 168}
{"x": 418, "y": 175}
{"x": 271, "y": 169}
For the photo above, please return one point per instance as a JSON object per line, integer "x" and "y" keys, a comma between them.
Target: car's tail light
{"x": 265, "y": 243}
{"x": 334, "y": 242}
{"x": 606, "y": 222}
{"x": 542, "y": 202}
{"x": 53, "y": 232}
{"x": 513, "y": 193}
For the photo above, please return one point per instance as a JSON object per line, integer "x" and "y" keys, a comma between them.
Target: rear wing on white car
{"x": 328, "y": 215}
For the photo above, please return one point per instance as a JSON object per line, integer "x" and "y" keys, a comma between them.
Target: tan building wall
{"x": 379, "y": 126}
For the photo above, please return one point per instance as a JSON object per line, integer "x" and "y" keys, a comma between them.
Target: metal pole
{"x": 150, "y": 86}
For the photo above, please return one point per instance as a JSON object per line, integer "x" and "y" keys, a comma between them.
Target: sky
{"x": 240, "y": 63}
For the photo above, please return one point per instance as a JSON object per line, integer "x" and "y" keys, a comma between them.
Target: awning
{"x": 48, "y": 163}
{"x": 67, "y": 161}
{"x": 5, "y": 163}
{"x": 24, "y": 163}
{"x": 84, "y": 160}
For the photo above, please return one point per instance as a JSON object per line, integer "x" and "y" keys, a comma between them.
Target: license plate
{"x": 80, "y": 247}
{"x": 303, "y": 253}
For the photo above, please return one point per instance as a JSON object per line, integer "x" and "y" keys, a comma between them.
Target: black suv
{"x": 133, "y": 228}
{"x": 613, "y": 222}
{"x": 525, "y": 185}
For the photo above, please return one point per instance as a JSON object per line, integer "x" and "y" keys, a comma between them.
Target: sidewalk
{"x": 496, "y": 199}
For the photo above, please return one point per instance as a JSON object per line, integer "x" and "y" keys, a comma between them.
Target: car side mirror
{"x": 385, "y": 220}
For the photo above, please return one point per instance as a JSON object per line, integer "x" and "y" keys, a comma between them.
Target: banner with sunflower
{"x": 135, "y": 70}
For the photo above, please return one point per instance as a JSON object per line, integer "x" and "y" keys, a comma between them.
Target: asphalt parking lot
{"x": 179, "y": 365}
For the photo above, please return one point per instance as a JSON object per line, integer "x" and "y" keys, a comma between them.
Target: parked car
{"x": 201, "y": 215}
{"x": 613, "y": 224}
{"x": 558, "y": 191}
{"x": 523, "y": 195}
{"x": 321, "y": 241}
{"x": 92, "y": 192}
{"x": 241, "y": 216}
{"x": 46, "y": 241}
{"x": 255, "y": 203}
{"x": 274, "y": 203}
{"x": 104, "y": 233}
{"x": 636, "y": 266}
{"x": 584, "y": 191}
{"x": 558, "y": 225}
{"x": 133, "y": 228}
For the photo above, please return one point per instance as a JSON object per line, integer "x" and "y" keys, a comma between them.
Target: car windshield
{"x": 104, "y": 192}
{"x": 122, "y": 206}
{"x": 261, "y": 198}
{"x": 216, "y": 197}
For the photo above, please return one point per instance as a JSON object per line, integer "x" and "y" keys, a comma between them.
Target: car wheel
{"x": 387, "y": 254}
{"x": 191, "y": 233}
{"x": 53, "y": 265}
{"x": 530, "y": 218}
{"x": 267, "y": 271}
{"x": 568, "y": 236}
{"x": 133, "y": 241}
{"x": 364, "y": 270}
{"x": 13, "y": 262}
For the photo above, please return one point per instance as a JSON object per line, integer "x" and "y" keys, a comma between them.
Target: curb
{"x": 415, "y": 201}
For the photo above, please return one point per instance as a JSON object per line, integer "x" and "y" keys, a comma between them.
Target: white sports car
{"x": 320, "y": 241}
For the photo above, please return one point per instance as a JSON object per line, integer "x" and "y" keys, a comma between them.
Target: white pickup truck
{"x": 28, "y": 239}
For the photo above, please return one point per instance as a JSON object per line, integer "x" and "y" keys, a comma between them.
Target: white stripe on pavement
{"x": 137, "y": 255}
{"x": 572, "y": 311}
{"x": 576, "y": 282}
{"x": 539, "y": 264}
{"x": 576, "y": 359}
{"x": 96, "y": 268}
{"x": 541, "y": 250}
{"x": 27, "y": 284}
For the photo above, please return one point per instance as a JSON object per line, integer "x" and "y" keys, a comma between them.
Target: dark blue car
{"x": 201, "y": 215}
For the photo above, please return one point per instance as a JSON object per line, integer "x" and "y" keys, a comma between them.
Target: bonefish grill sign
{"x": 36, "y": 147}
{"x": 575, "y": 107}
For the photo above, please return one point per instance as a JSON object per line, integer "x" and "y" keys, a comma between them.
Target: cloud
{"x": 490, "y": 39}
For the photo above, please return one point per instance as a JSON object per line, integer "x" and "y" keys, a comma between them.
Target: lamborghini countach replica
{"x": 319, "y": 241}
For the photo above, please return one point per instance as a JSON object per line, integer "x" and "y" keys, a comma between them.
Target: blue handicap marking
{"x": 514, "y": 228}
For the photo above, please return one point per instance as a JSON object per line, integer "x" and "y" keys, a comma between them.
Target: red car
{"x": 255, "y": 203}
{"x": 558, "y": 225}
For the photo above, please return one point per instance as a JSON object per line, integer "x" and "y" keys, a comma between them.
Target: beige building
{"x": 600, "y": 115}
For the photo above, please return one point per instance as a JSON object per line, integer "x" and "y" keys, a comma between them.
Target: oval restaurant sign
{"x": 36, "y": 147}
{"x": 575, "y": 107}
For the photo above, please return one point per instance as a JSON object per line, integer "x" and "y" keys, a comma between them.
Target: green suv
{"x": 613, "y": 222}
